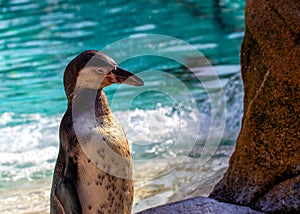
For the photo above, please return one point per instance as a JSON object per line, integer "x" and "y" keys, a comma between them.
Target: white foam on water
{"x": 29, "y": 143}
{"x": 28, "y": 148}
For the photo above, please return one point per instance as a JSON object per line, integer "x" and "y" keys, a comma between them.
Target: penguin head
{"x": 94, "y": 70}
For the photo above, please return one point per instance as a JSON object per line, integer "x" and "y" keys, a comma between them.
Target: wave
{"x": 29, "y": 142}
{"x": 28, "y": 146}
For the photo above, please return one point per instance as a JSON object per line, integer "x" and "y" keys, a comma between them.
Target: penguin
{"x": 93, "y": 171}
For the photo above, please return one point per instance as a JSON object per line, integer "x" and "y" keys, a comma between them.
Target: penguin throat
{"x": 90, "y": 100}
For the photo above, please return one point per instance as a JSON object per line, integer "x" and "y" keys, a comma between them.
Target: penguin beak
{"x": 121, "y": 76}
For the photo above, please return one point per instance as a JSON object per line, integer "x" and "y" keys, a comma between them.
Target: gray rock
{"x": 200, "y": 205}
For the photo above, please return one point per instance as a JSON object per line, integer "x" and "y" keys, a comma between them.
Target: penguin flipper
{"x": 65, "y": 188}
{"x": 67, "y": 195}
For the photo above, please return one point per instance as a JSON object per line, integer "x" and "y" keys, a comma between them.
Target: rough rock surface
{"x": 200, "y": 205}
{"x": 265, "y": 167}
{"x": 282, "y": 198}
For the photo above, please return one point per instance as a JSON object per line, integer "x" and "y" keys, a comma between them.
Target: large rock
{"x": 200, "y": 205}
{"x": 264, "y": 171}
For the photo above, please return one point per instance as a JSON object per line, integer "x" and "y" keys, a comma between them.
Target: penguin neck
{"x": 90, "y": 100}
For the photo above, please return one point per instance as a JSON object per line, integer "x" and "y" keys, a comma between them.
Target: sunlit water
{"x": 38, "y": 39}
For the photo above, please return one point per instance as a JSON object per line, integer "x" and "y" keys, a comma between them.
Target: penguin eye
{"x": 99, "y": 70}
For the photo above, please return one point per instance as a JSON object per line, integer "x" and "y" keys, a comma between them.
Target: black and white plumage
{"x": 93, "y": 171}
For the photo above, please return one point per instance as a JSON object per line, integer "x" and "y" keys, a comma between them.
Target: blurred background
{"x": 39, "y": 38}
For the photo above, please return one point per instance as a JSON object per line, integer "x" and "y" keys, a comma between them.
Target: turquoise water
{"x": 39, "y": 38}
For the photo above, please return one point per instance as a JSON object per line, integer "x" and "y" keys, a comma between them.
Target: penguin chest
{"x": 101, "y": 192}
{"x": 104, "y": 173}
